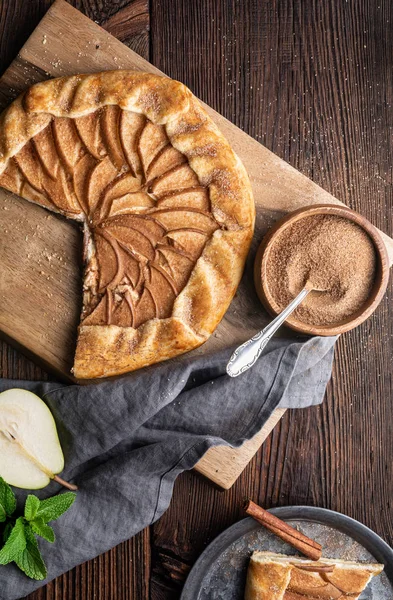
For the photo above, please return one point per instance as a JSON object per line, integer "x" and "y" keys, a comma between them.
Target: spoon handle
{"x": 248, "y": 353}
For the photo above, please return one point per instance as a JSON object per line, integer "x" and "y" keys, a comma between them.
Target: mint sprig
{"x": 15, "y": 544}
{"x": 43, "y": 530}
{"x": 7, "y": 502}
{"x": 31, "y": 506}
{"x": 52, "y": 508}
{"x": 20, "y": 544}
{"x": 30, "y": 560}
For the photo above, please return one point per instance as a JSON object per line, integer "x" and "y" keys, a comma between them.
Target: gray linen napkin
{"x": 125, "y": 441}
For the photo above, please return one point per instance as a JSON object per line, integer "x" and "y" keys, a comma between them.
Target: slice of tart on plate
{"x": 272, "y": 576}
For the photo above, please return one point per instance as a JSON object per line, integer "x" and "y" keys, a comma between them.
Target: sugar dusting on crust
{"x": 222, "y": 179}
{"x": 151, "y": 101}
{"x": 207, "y": 150}
{"x": 186, "y": 127}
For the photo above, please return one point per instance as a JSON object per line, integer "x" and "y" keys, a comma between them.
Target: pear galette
{"x": 166, "y": 208}
{"x": 273, "y": 576}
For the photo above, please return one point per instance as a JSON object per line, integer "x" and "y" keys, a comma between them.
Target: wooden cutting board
{"x": 40, "y": 276}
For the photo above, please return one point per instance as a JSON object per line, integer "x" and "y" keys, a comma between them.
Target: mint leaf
{"x": 43, "y": 530}
{"x": 31, "y": 507}
{"x": 15, "y": 544}
{"x": 7, "y": 501}
{"x": 7, "y": 531}
{"x": 52, "y": 508}
{"x": 30, "y": 559}
{"x": 20, "y": 544}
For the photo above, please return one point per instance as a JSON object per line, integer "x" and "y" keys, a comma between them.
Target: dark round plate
{"x": 220, "y": 572}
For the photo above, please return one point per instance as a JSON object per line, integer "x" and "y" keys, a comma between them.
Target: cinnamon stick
{"x": 288, "y": 534}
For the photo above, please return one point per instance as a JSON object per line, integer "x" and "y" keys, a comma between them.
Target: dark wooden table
{"x": 311, "y": 80}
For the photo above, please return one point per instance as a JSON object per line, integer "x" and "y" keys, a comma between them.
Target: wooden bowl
{"x": 377, "y": 292}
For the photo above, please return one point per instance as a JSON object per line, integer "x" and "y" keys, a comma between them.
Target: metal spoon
{"x": 246, "y": 355}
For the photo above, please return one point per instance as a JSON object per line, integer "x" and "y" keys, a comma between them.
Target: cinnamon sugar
{"x": 336, "y": 255}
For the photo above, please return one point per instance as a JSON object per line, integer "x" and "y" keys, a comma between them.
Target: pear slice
{"x": 30, "y": 451}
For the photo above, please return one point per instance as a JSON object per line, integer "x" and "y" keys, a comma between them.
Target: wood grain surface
{"x": 66, "y": 42}
{"x": 42, "y": 312}
{"x": 40, "y": 266}
{"x": 313, "y": 82}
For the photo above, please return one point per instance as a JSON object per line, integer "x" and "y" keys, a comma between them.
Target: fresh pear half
{"x": 30, "y": 451}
